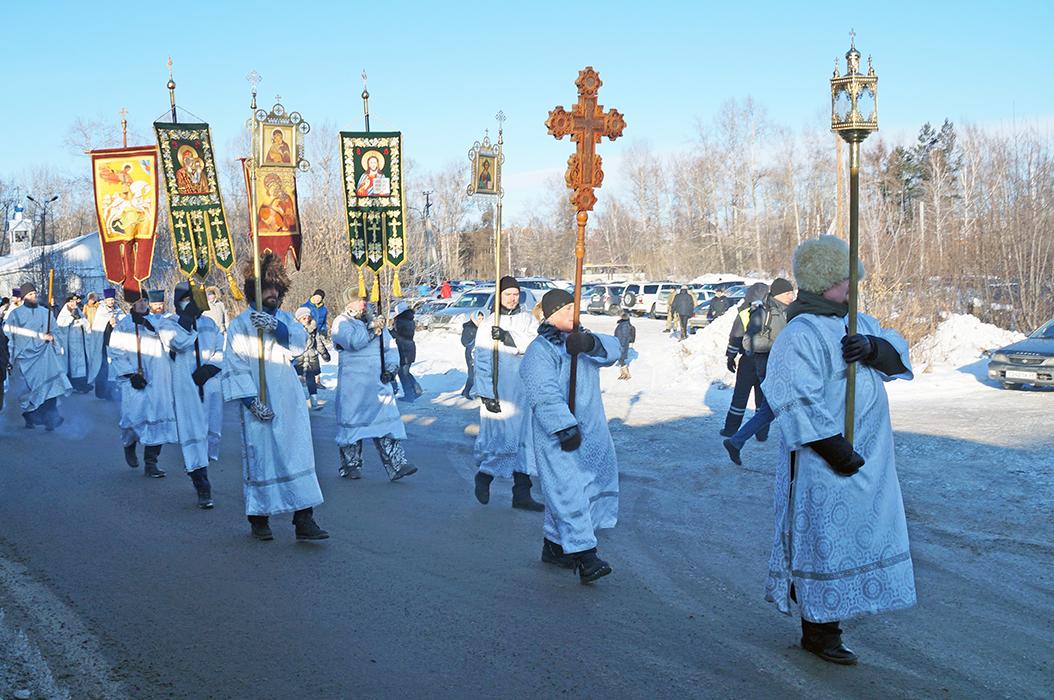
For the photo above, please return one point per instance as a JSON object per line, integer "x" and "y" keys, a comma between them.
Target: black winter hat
{"x": 508, "y": 282}
{"x": 319, "y": 292}
{"x": 779, "y": 286}
{"x": 554, "y": 300}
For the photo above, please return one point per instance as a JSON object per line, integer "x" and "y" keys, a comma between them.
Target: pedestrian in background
{"x": 307, "y": 364}
{"x": 682, "y": 306}
{"x": 468, "y": 339}
{"x": 746, "y": 379}
{"x": 217, "y": 309}
{"x": 403, "y": 329}
{"x": 316, "y": 304}
{"x": 627, "y": 335}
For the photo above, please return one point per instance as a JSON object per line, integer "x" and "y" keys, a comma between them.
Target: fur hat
{"x": 351, "y": 294}
{"x": 272, "y": 274}
{"x": 302, "y": 312}
{"x": 820, "y": 263}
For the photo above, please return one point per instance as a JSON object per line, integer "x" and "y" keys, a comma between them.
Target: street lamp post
{"x": 43, "y": 207}
{"x": 854, "y": 115}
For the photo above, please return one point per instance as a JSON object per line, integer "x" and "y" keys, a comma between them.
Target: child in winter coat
{"x": 307, "y": 364}
{"x": 627, "y": 335}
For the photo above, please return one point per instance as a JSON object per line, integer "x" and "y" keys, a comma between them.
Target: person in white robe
{"x": 366, "y": 405}
{"x": 107, "y": 314}
{"x": 139, "y": 351}
{"x": 278, "y": 457}
{"x": 73, "y": 331}
{"x": 38, "y": 375}
{"x": 573, "y": 450}
{"x": 191, "y": 372}
{"x": 503, "y": 415}
{"x": 840, "y": 546}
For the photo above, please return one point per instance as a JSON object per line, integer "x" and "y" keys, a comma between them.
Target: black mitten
{"x": 570, "y": 438}
{"x": 839, "y": 454}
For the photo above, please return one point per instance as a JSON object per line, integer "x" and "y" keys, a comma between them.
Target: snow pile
{"x": 959, "y": 341}
{"x": 702, "y": 356}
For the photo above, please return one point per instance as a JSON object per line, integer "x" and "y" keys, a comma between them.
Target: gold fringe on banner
{"x": 236, "y": 291}
{"x": 375, "y": 292}
{"x": 362, "y": 284}
{"x": 397, "y": 290}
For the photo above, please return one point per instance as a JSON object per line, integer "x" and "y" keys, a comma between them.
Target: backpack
{"x": 763, "y": 327}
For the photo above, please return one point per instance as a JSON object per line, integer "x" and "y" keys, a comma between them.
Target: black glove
{"x": 580, "y": 340}
{"x": 142, "y": 320}
{"x": 859, "y": 348}
{"x": 839, "y": 455}
{"x": 570, "y": 438}
{"x": 731, "y": 363}
{"x": 204, "y": 373}
{"x": 492, "y": 405}
{"x": 387, "y": 377}
{"x": 137, "y": 381}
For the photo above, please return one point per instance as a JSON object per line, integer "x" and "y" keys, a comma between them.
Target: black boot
{"x": 521, "y": 493}
{"x": 261, "y": 528}
{"x": 200, "y": 477}
{"x": 483, "y": 487}
{"x": 825, "y": 640}
{"x": 306, "y": 527}
{"x": 552, "y": 553}
{"x": 150, "y": 455}
{"x": 129, "y": 456}
{"x": 589, "y": 566}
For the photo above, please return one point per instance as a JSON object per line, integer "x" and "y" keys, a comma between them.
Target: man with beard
{"x": 39, "y": 375}
{"x": 840, "y": 547}
{"x": 503, "y": 417}
{"x": 278, "y": 458}
{"x": 365, "y": 397}
{"x": 106, "y": 317}
{"x": 194, "y": 365}
{"x": 573, "y": 451}
{"x": 72, "y": 329}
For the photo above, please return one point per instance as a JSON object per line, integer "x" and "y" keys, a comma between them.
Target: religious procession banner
{"x": 126, "y": 183}
{"x": 199, "y": 222}
{"x": 376, "y": 207}
{"x": 277, "y": 211}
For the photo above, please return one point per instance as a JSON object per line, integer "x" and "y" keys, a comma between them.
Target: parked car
{"x": 662, "y": 303}
{"x": 726, "y": 284}
{"x": 476, "y": 299}
{"x": 606, "y": 299}
{"x": 423, "y": 311}
{"x": 641, "y": 297}
{"x": 1030, "y": 361}
{"x": 542, "y": 284}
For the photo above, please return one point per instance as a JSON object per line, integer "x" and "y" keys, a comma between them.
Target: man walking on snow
{"x": 39, "y": 376}
{"x": 503, "y": 418}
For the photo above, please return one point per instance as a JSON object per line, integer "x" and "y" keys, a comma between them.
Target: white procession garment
{"x": 366, "y": 406}
{"x": 191, "y": 412}
{"x": 840, "y": 542}
{"x": 580, "y": 487}
{"x": 39, "y": 367}
{"x": 75, "y": 334}
{"x": 278, "y": 456}
{"x": 103, "y": 314}
{"x": 148, "y": 415}
{"x": 498, "y": 447}
{"x": 210, "y": 344}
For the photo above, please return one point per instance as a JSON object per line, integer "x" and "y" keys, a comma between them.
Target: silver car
{"x": 471, "y": 301}
{"x": 1030, "y": 361}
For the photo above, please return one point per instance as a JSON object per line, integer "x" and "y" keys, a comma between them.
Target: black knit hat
{"x": 27, "y": 288}
{"x": 508, "y": 282}
{"x": 554, "y": 300}
{"x": 320, "y": 292}
{"x": 779, "y": 286}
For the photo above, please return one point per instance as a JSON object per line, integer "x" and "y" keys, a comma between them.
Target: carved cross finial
{"x": 123, "y": 112}
{"x": 365, "y": 92}
{"x": 254, "y": 79}
{"x": 587, "y": 123}
{"x": 278, "y": 99}
{"x": 852, "y": 38}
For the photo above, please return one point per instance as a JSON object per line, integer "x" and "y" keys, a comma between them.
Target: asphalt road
{"x": 422, "y": 592}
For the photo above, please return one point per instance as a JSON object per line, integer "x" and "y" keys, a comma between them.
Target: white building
{"x": 19, "y": 232}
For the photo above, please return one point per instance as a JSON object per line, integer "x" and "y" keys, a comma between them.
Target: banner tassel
{"x": 375, "y": 292}
{"x": 397, "y": 290}
{"x": 236, "y": 291}
{"x": 362, "y": 284}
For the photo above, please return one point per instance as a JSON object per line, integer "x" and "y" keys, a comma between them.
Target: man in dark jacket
{"x": 468, "y": 339}
{"x": 766, "y": 320}
{"x": 683, "y": 306}
{"x": 627, "y": 335}
{"x": 718, "y": 305}
{"x": 746, "y": 379}
{"x": 317, "y": 306}
{"x": 404, "y": 340}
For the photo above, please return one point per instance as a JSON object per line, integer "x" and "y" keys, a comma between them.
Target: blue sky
{"x": 440, "y": 70}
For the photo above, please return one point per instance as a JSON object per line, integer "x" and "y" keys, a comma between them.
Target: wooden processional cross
{"x": 587, "y": 123}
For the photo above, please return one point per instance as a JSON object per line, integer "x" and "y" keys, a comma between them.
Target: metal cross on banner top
{"x": 587, "y": 123}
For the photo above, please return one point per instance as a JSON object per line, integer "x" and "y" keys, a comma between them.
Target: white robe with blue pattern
{"x": 841, "y": 543}
{"x": 580, "y": 487}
